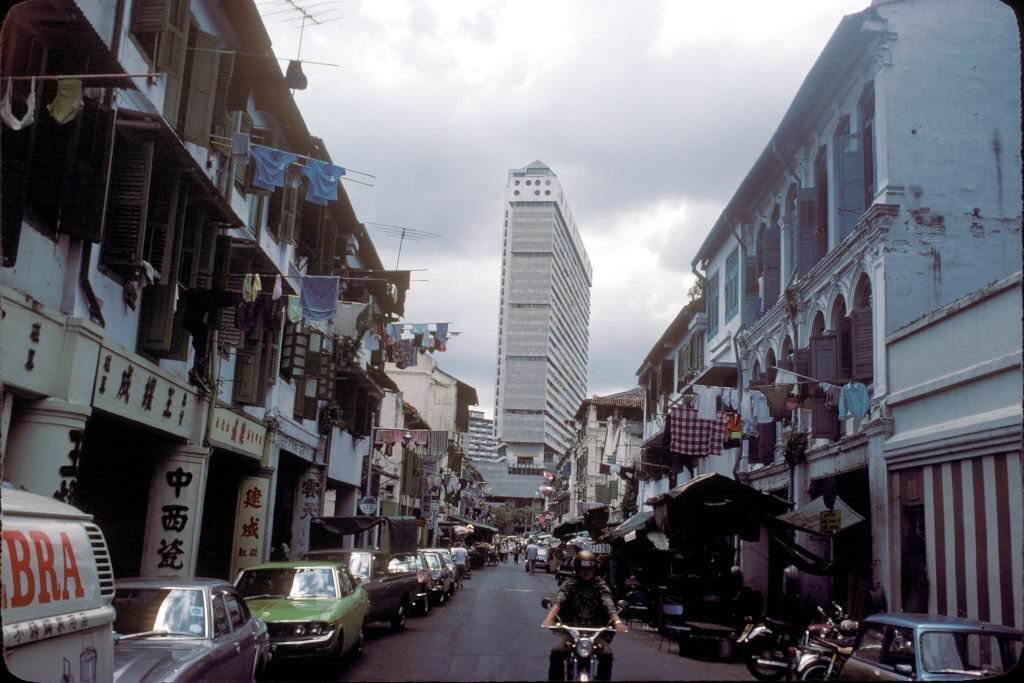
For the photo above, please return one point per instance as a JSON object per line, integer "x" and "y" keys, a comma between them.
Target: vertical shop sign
{"x": 175, "y": 508}
{"x": 250, "y": 523}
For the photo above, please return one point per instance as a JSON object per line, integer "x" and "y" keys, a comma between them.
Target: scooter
{"x": 766, "y": 647}
{"x": 581, "y": 664}
{"x": 825, "y": 646}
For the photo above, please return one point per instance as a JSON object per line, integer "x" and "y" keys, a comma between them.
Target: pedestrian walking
{"x": 461, "y": 556}
{"x": 515, "y": 553}
{"x": 531, "y": 556}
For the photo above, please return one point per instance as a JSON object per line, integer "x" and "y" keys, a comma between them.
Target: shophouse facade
{"x": 128, "y": 363}
{"x": 859, "y": 218}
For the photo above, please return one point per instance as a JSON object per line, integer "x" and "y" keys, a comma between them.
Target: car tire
{"x": 441, "y": 598}
{"x": 356, "y": 651}
{"x": 425, "y": 606}
{"x": 399, "y": 618}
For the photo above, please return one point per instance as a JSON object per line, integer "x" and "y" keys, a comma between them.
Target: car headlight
{"x": 313, "y": 628}
{"x": 584, "y": 648}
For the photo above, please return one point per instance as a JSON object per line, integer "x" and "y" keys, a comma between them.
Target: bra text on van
{"x": 35, "y": 575}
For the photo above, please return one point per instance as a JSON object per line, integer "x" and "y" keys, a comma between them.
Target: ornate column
{"x": 176, "y": 495}
{"x": 307, "y": 505}
{"x": 43, "y": 447}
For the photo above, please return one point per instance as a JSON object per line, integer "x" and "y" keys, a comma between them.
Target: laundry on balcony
{"x": 690, "y": 435}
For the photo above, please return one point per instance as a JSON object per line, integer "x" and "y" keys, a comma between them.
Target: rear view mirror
{"x": 905, "y": 669}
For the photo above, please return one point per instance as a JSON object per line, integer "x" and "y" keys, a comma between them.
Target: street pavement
{"x": 490, "y": 631}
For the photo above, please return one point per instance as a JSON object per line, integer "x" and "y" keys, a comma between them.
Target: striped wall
{"x": 974, "y": 530}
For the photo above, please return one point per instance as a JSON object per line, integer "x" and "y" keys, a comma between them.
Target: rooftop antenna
{"x": 306, "y": 14}
{"x": 402, "y": 233}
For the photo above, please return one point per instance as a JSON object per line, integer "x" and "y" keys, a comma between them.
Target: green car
{"x": 313, "y": 609}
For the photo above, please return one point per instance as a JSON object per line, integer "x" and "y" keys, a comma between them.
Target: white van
{"x": 58, "y": 586}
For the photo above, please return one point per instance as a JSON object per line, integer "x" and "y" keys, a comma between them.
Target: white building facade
{"x": 544, "y": 320}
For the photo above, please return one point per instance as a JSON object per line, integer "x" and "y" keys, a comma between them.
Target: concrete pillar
{"x": 307, "y": 505}
{"x": 44, "y": 445}
{"x": 883, "y": 527}
{"x": 176, "y": 493}
{"x": 252, "y": 521}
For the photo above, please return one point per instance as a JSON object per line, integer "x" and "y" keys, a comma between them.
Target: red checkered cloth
{"x": 689, "y": 435}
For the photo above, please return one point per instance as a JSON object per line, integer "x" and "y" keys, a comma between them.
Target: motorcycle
{"x": 825, "y": 646}
{"x": 766, "y": 647}
{"x": 581, "y": 664}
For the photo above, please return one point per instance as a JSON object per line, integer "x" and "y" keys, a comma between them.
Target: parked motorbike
{"x": 825, "y": 646}
{"x": 581, "y": 664}
{"x": 766, "y": 648}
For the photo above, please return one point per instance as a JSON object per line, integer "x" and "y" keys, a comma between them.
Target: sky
{"x": 650, "y": 112}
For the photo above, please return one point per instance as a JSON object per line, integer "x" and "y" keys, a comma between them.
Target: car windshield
{"x": 967, "y": 654}
{"x": 160, "y": 612}
{"x": 404, "y": 563}
{"x": 290, "y": 582}
{"x": 433, "y": 560}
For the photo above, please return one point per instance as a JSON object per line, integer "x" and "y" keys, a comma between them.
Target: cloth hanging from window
{"x": 692, "y": 436}
{"x": 68, "y": 102}
{"x": 347, "y": 318}
{"x": 853, "y": 400}
{"x": 392, "y": 334}
{"x": 405, "y": 353}
{"x": 323, "y": 181}
{"x": 240, "y": 144}
{"x": 319, "y": 297}
{"x": 294, "y": 309}
{"x": 251, "y": 287}
{"x": 271, "y": 166}
{"x": 763, "y": 451}
{"x": 442, "y": 333}
{"x": 7, "y": 114}
{"x": 707, "y": 401}
{"x": 760, "y": 411}
{"x": 278, "y": 289}
{"x": 831, "y": 392}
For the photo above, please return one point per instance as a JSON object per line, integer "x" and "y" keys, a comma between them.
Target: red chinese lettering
{"x": 253, "y": 498}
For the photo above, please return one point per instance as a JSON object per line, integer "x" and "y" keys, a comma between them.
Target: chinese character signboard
{"x": 175, "y": 512}
{"x": 137, "y": 390}
{"x": 831, "y": 521}
{"x": 237, "y": 433}
{"x": 251, "y": 520}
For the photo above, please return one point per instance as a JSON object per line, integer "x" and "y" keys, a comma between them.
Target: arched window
{"x": 789, "y": 236}
{"x": 840, "y": 325}
{"x": 862, "y": 340}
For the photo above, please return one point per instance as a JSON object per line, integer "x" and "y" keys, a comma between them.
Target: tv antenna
{"x": 316, "y": 12}
{"x": 402, "y": 233}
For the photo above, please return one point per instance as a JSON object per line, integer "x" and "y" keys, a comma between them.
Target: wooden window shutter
{"x": 850, "y": 164}
{"x": 248, "y": 383}
{"x": 824, "y": 419}
{"x": 159, "y": 302}
{"x": 862, "y": 343}
{"x": 221, "y": 119}
{"x": 275, "y": 210}
{"x": 243, "y": 124}
{"x": 191, "y": 261}
{"x": 305, "y": 399}
{"x": 171, "y": 54}
{"x": 823, "y": 358}
{"x": 228, "y": 332}
{"x": 202, "y": 90}
{"x": 309, "y": 234}
{"x": 843, "y": 351}
{"x": 315, "y": 362}
{"x": 128, "y": 206}
{"x": 802, "y": 366}
{"x": 328, "y": 367}
{"x": 84, "y": 183}
{"x": 807, "y": 223}
{"x": 772, "y": 266}
{"x": 150, "y": 16}
{"x": 206, "y": 258}
{"x": 166, "y": 213}
{"x": 751, "y": 304}
{"x": 271, "y": 357}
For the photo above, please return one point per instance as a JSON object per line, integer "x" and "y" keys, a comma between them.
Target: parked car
{"x": 543, "y": 558}
{"x": 927, "y": 647}
{"x": 313, "y": 609}
{"x": 449, "y": 562}
{"x": 441, "y": 578}
{"x": 169, "y": 629}
{"x": 392, "y": 586}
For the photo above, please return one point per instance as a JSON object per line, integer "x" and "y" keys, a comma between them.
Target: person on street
{"x": 461, "y": 556}
{"x": 583, "y": 600}
{"x": 515, "y": 553}
{"x": 531, "y": 556}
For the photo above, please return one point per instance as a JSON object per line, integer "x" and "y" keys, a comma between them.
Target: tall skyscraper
{"x": 544, "y": 319}
{"x": 480, "y": 442}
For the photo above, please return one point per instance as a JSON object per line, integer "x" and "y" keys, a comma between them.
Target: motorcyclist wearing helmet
{"x": 583, "y": 600}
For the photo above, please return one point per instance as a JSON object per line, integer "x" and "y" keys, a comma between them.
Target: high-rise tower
{"x": 544, "y": 319}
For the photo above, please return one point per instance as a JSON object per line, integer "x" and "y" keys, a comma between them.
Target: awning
{"x": 634, "y": 523}
{"x": 715, "y": 505}
{"x": 328, "y": 532}
{"x": 815, "y": 516}
{"x": 479, "y": 526}
{"x": 718, "y": 375}
{"x": 569, "y": 527}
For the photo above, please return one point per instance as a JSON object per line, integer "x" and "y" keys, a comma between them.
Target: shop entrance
{"x": 216, "y": 540}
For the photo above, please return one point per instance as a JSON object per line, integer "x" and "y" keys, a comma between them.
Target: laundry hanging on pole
{"x": 323, "y": 181}
{"x": 271, "y": 166}
{"x": 68, "y": 102}
{"x": 319, "y": 297}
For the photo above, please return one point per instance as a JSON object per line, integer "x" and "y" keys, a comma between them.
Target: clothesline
{"x": 226, "y": 147}
{"x": 80, "y": 77}
{"x": 301, "y": 156}
{"x": 808, "y": 377}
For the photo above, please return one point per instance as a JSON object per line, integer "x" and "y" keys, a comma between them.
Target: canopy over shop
{"x": 398, "y": 534}
{"x": 456, "y": 527}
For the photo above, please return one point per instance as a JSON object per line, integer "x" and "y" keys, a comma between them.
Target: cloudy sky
{"x": 650, "y": 112}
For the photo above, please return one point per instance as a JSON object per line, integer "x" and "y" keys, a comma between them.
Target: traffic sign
{"x": 368, "y": 505}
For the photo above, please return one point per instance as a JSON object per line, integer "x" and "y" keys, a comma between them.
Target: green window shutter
{"x": 221, "y": 117}
{"x": 191, "y": 259}
{"x": 305, "y": 399}
{"x": 149, "y": 16}
{"x": 315, "y": 363}
{"x": 156, "y": 318}
{"x": 171, "y": 54}
{"x": 206, "y": 257}
{"x": 248, "y": 384}
{"x": 84, "y": 183}
{"x": 271, "y": 356}
{"x": 128, "y": 205}
{"x": 166, "y": 208}
{"x": 228, "y": 333}
{"x": 862, "y": 342}
{"x": 202, "y": 90}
